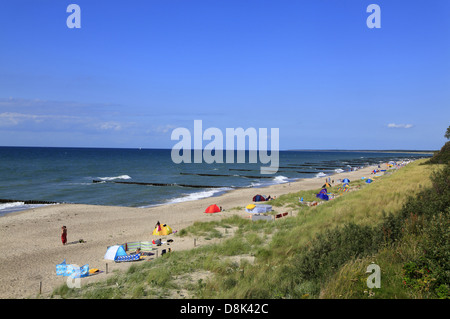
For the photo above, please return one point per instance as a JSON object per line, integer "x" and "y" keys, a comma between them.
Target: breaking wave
{"x": 114, "y": 178}
{"x": 280, "y": 179}
{"x": 199, "y": 195}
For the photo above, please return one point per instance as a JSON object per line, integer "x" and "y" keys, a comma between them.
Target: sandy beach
{"x": 31, "y": 245}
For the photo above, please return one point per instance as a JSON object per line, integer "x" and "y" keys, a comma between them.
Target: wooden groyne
{"x": 292, "y": 170}
{"x": 225, "y": 175}
{"x": 163, "y": 184}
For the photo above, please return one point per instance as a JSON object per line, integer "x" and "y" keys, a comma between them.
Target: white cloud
{"x": 115, "y": 126}
{"x": 14, "y": 118}
{"x": 164, "y": 128}
{"x": 393, "y": 125}
{"x": 96, "y": 120}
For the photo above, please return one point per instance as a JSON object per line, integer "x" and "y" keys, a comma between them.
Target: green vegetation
{"x": 400, "y": 222}
{"x": 417, "y": 262}
{"x": 442, "y": 156}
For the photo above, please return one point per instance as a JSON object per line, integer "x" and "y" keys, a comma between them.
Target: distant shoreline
{"x": 366, "y": 151}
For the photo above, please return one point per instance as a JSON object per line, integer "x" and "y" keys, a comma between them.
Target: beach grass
{"x": 321, "y": 251}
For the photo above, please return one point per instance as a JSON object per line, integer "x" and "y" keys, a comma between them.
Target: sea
{"x": 35, "y": 176}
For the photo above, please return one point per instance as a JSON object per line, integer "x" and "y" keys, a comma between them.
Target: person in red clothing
{"x": 158, "y": 225}
{"x": 64, "y": 235}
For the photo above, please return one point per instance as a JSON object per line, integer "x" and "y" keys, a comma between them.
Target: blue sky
{"x": 136, "y": 70}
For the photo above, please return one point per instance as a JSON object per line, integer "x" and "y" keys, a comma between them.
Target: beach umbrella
{"x": 346, "y": 180}
{"x": 212, "y": 209}
{"x": 369, "y": 181}
{"x": 346, "y": 186}
{"x": 165, "y": 230}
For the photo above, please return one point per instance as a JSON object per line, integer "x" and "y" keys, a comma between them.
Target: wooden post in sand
{"x": 106, "y": 268}
{"x": 195, "y": 242}
{"x": 40, "y": 287}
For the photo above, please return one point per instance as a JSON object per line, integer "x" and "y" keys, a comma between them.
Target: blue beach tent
{"x": 323, "y": 194}
{"x": 369, "y": 181}
{"x": 346, "y": 180}
{"x": 118, "y": 254}
{"x": 113, "y": 252}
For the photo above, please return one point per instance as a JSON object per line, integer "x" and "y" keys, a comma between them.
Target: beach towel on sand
{"x": 127, "y": 258}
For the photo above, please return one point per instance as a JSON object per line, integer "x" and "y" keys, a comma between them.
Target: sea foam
{"x": 11, "y": 205}
{"x": 114, "y": 177}
{"x": 6, "y": 208}
{"x": 198, "y": 195}
{"x": 321, "y": 174}
{"x": 280, "y": 179}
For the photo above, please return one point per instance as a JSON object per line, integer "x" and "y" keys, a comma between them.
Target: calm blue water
{"x": 67, "y": 174}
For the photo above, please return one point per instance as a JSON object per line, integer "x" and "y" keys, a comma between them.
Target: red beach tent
{"x": 212, "y": 209}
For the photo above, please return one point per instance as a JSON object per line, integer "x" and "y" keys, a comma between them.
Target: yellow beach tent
{"x": 165, "y": 230}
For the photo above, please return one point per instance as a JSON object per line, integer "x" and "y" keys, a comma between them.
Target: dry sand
{"x": 31, "y": 246}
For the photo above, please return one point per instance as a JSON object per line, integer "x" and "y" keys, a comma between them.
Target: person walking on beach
{"x": 64, "y": 235}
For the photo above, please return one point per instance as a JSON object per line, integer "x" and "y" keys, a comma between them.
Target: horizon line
{"x": 283, "y": 150}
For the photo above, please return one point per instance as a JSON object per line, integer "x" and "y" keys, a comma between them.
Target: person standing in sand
{"x": 158, "y": 226}
{"x": 64, "y": 235}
